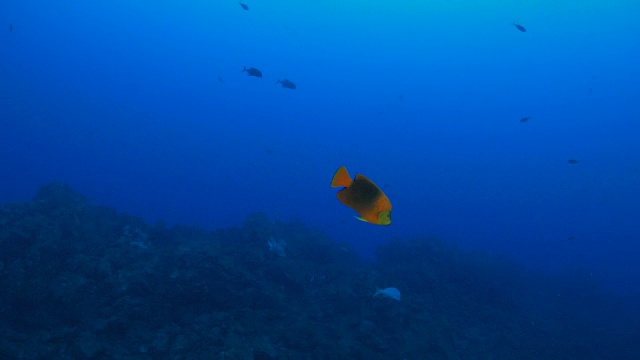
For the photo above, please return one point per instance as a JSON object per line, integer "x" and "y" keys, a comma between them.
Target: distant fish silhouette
{"x": 220, "y": 79}
{"x": 287, "y": 84}
{"x": 244, "y": 6}
{"x": 389, "y": 293}
{"x": 520, "y": 27}
{"x": 525, "y": 119}
{"x": 252, "y": 71}
{"x": 10, "y": 27}
{"x": 573, "y": 161}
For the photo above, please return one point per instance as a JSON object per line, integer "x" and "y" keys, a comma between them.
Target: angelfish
{"x": 363, "y": 196}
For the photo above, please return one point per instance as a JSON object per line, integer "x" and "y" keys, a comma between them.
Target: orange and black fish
{"x": 363, "y": 196}
{"x": 520, "y": 27}
{"x": 252, "y": 71}
{"x": 287, "y": 84}
{"x": 244, "y": 6}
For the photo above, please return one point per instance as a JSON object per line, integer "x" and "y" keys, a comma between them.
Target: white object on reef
{"x": 277, "y": 246}
{"x": 390, "y": 292}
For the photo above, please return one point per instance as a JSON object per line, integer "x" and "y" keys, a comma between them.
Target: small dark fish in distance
{"x": 252, "y": 71}
{"x": 573, "y": 161}
{"x": 520, "y": 27}
{"x": 220, "y": 79}
{"x": 244, "y": 6}
{"x": 525, "y": 119}
{"x": 287, "y": 84}
{"x": 10, "y": 27}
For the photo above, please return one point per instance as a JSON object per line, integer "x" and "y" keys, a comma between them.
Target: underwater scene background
{"x": 166, "y": 171}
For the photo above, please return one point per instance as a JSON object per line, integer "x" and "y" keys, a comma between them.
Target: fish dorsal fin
{"x": 341, "y": 178}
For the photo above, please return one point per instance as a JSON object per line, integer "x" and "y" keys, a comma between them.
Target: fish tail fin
{"x": 341, "y": 178}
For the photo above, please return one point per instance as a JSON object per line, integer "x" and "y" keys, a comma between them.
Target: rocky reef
{"x": 86, "y": 282}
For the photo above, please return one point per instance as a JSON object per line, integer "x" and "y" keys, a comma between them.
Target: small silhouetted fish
{"x": 220, "y": 79}
{"x": 390, "y": 293}
{"x": 571, "y": 238}
{"x": 252, "y": 71}
{"x": 287, "y": 84}
{"x": 520, "y": 27}
{"x": 525, "y": 119}
{"x": 244, "y": 6}
{"x": 573, "y": 161}
{"x": 10, "y": 27}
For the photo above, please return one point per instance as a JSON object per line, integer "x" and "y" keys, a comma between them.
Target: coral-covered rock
{"x": 82, "y": 281}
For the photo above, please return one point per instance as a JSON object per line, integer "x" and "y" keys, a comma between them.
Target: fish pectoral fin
{"x": 361, "y": 218}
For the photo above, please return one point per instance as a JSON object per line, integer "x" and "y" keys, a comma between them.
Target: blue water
{"x": 143, "y": 106}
